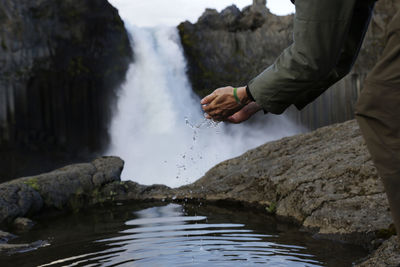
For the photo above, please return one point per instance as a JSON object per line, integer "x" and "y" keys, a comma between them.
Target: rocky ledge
{"x": 71, "y": 187}
{"x": 323, "y": 180}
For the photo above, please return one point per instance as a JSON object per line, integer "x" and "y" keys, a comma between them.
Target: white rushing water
{"x": 159, "y": 128}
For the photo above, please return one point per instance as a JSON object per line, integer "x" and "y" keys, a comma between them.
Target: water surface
{"x": 175, "y": 235}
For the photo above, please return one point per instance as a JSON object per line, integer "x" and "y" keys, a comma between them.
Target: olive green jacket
{"x": 327, "y": 37}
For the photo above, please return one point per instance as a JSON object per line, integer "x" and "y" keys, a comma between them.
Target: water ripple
{"x": 161, "y": 236}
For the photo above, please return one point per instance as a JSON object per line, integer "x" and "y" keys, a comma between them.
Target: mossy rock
{"x": 33, "y": 182}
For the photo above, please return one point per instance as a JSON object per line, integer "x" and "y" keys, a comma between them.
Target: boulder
{"x": 71, "y": 187}
{"x": 22, "y": 224}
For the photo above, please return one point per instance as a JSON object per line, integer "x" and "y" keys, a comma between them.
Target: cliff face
{"x": 60, "y": 65}
{"x": 233, "y": 46}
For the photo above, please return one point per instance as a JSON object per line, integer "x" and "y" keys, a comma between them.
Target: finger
{"x": 208, "y": 99}
{"x": 208, "y": 108}
{"x": 208, "y": 116}
{"x": 235, "y": 118}
{"x": 239, "y": 116}
{"x": 231, "y": 119}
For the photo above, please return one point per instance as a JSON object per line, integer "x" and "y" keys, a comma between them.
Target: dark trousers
{"x": 378, "y": 114}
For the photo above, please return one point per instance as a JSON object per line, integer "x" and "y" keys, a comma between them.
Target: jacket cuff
{"x": 249, "y": 95}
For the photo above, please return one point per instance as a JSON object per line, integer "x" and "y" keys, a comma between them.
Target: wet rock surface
{"x": 19, "y": 248}
{"x": 71, "y": 187}
{"x": 22, "y": 224}
{"x": 386, "y": 255}
{"x": 5, "y": 237}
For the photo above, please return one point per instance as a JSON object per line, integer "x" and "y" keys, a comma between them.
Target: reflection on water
{"x": 176, "y": 235}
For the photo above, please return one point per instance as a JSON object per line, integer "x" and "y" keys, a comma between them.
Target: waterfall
{"x": 159, "y": 128}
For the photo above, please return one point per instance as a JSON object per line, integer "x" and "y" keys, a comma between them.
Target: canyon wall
{"x": 61, "y": 63}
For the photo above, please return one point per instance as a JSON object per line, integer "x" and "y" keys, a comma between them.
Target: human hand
{"x": 221, "y": 103}
{"x": 245, "y": 113}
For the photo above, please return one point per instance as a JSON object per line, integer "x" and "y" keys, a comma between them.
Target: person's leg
{"x": 378, "y": 114}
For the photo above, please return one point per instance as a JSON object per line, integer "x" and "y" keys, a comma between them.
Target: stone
{"x": 71, "y": 187}
{"x": 10, "y": 248}
{"x": 22, "y": 224}
{"x": 19, "y": 248}
{"x": 387, "y": 255}
{"x": 230, "y": 15}
{"x": 5, "y": 237}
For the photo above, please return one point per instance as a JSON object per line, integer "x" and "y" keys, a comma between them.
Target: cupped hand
{"x": 245, "y": 113}
{"x": 221, "y": 104}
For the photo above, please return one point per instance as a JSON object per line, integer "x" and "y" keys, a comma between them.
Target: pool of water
{"x": 175, "y": 235}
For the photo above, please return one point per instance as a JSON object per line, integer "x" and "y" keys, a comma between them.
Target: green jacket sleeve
{"x": 327, "y": 36}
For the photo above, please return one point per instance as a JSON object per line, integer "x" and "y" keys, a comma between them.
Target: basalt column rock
{"x": 233, "y": 46}
{"x": 61, "y": 63}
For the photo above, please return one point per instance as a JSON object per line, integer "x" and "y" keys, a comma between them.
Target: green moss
{"x": 98, "y": 197}
{"x": 33, "y": 182}
{"x": 386, "y": 233}
{"x": 271, "y": 208}
{"x": 126, "y": 186}
{"x": 78, "y": 201}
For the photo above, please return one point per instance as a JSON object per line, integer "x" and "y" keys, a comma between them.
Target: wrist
{"x": 242, "y": 95}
